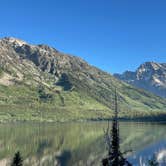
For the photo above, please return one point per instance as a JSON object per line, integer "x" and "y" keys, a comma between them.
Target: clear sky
{"x": 114, "y": 35}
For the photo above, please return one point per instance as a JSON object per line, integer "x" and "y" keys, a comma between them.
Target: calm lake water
{"x": 79, "y": 144}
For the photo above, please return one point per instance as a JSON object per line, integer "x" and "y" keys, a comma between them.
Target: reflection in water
{"x": 158, "y": 148}
{"x": 64, "y": 158}
{"x": 78, "y": 144}
{"x": 161, "y": 156}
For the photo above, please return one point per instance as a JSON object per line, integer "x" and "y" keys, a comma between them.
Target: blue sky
{"x": 114, "y": 35}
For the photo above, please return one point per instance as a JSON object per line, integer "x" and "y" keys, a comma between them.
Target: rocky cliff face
{"x": 70, "y": 82}
{"x": 150, "y": 76}
{"x": 14, "y": 52}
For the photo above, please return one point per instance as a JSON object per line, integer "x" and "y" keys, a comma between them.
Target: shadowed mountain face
{"x": 34, "y": 78}
{"x": 150, "y": 76}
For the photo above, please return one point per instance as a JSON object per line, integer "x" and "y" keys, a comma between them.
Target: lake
{"x": 79, "y": 144}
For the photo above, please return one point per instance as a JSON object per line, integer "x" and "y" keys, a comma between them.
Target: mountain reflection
{"x": 78, "y": 144}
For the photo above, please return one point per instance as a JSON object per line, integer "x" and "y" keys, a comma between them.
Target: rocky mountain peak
{"x": 46, "y": 58}
{"x": 149, "y": 75}
{"x": 46, "y": 47}
{"x": 14, "y": 41}
{"x": 149, "y": 66}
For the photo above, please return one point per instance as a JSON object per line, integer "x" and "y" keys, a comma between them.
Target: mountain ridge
{"x": 64, "y": 87}
{"x": 150, "y": 76}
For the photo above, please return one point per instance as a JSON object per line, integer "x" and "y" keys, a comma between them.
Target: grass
{"x": 23, "y": 103}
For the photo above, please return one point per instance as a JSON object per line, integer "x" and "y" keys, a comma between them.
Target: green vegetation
{"x": 43, "y": 96}
{"x": 24, "y": 103}
{"x": 1, "y": 72}
{"x": 37, "y": 103}
{"x": 17, "y": 160}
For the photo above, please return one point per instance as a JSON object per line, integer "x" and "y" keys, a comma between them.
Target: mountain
{"x": 37, "y": 82}
{"x": 150, "y": 76}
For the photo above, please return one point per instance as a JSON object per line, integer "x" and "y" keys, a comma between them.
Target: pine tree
{"x": 115, "y": 157}
{"x": 17, "y": 160}
{"x": 153, "y": 162}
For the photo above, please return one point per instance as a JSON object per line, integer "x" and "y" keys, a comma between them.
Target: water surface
{"x": 79, "y": 144}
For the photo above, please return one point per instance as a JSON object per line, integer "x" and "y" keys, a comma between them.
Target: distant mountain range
{"x": 37, "y": 82}
{"x": 150, "y": 76}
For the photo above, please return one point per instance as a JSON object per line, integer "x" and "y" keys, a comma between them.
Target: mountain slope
{"x": 150, "y": 76}
{"x": 38, "y": 82}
